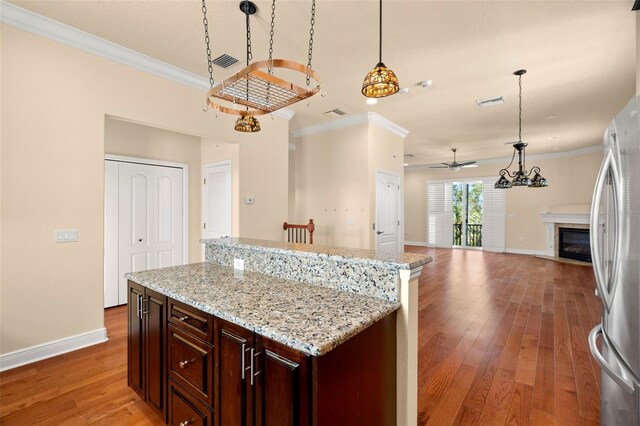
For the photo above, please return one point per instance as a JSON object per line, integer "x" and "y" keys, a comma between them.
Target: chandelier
{"x": 256, "y": 90}
{"x": 381, "y": 81}
{"x": 520, "y": 177}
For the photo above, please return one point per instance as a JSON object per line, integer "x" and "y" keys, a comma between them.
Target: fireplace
{"x": 574, "y": 244}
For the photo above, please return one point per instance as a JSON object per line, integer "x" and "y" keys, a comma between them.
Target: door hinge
{"x": 205, "y": 181}
{"x": 398, "y": 186}
{"x": 374, "y": 226}
{"x": 398, "y": 223}
{"x": 204, "y": 225}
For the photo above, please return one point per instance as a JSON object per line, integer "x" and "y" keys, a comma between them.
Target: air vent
{"x": 409, "y": 155}
{"x": 224, "y": 61}
{"x": 335, "y": 113}
{"x": 482, "y": 103}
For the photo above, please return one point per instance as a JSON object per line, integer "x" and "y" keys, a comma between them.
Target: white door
{"x": 150, "y": 219}
{"x": 387, "y": 213}
{"x": 216, "y": 205}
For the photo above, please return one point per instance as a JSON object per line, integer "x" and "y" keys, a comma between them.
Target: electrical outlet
{"x": 238, "y": 264}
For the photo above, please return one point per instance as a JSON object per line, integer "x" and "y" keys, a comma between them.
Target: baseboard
{"x": 416, "y": 243}
{"x": 525, "y": 251}
{"x": 50, "y": 349}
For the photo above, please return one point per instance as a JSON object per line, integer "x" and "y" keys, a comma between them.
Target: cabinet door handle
{"x": 186, "y": 422}
{"x": 184, "y": 318}
{"x": 185, "y": 363}
{"x": 242, "y": 361}
{"x": 144, "y": 312}
{"x": 138, "y": 305}
{"x": 251, "y": 371}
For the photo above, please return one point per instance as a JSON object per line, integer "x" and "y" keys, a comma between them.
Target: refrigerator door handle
{"x": 625, "y": 382}
{"x": 601, "y": 280}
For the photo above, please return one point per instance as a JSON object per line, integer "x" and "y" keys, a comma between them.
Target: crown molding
{"x": 351, "y": 120}
{"x": 502, "y": 160}
{"x": 42, "y": 26}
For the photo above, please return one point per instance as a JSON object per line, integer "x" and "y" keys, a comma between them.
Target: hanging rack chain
{"x": 380, "y": 35}
{"x": 311, "y": 31}
{"x": 205, "y": 21}
{"x": 270, "y": 69}
{"x": 249, "y": 54}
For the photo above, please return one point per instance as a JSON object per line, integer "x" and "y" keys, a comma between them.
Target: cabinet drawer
{"x": 191, "y": 364}
{"x": 192, "y": 320}
{"x": 185, "y": 410}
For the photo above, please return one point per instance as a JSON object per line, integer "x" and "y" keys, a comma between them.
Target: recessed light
{"x": 551, "y": 117}
{"x": 552, "y": 138}
{"x": 403, "y": 91}
{"x": 405, "y": 164}
{"x": 372, "y": 101}
{"x": 426, "y": 83}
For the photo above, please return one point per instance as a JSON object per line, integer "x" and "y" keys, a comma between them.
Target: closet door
{"x": 150, "y": 218}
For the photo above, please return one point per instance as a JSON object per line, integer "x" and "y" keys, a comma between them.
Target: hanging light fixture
{"x": 520, "y": 177}
{"x": 255, "y": 90}
{"x": 381, "y": 81}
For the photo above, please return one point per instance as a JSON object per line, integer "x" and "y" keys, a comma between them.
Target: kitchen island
{"x": 317, "y": 336}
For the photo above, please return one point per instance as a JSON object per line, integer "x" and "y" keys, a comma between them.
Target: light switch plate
{"x": 66, "y": 235}
{"x": 238, "y": 264}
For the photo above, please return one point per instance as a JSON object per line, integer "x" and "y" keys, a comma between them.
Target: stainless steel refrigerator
{"x": 615, "y": 252}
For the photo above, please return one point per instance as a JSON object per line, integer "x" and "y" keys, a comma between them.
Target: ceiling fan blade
{"x": 511, "y": 143}
{"x": 438, "y": 167}
{"x": 467, "y": 163}
{"x": 474, "y": 164}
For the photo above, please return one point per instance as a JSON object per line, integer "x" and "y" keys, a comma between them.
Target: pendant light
{"x": 521, "y": 176}
{"x": 381, "y": 81}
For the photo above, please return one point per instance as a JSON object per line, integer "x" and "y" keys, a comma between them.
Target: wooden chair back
{"x": 298, "y": 233}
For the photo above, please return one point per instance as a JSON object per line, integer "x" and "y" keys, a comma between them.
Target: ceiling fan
{"x": 455, "y": 166}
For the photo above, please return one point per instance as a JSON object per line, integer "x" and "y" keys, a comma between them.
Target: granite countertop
{"x": 306, "y": 317}
{"x": 394, "y": 260}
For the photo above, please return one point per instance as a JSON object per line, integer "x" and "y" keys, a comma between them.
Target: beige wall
{"x": 54, "y": 102}
{"x": 571, "y": 182}
{"x": 135, "y": 140}
{"x": 335, "y": 175}
{"x": 331, "y": 174}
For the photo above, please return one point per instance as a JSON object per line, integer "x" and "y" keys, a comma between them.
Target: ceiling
{"x": 580, "y": 57}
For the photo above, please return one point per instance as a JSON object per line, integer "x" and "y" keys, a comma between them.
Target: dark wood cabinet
{"x": 196, "y": 369}
{"x": 234, "y": 346}
{"x": 147, "y": 346}
{"x": 282, "y": 385}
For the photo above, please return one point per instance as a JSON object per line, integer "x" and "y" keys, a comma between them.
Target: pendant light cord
{"x": 520, "y": 108}
{"x": 380, "y": 38}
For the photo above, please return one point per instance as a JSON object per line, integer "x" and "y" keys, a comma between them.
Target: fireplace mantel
{"x": 567, "y": 217}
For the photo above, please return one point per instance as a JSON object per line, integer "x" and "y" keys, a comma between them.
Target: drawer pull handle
{"x": 185, "y": 363}
{"x": 184, "y": 318}
{"x": 186, "y": 422}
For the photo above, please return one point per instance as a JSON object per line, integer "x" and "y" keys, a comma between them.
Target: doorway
{"x": 467, "y": 210}
{"x": 216, "y": 200}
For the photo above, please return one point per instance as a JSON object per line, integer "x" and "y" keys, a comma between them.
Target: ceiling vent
{"x": 334, "y": 113}
{"x": 224, "y": 61}
{"x": 483, "y": 103}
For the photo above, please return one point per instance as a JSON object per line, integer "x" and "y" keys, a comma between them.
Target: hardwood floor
{"x": 502, "y": 341}
{"x": 88, "y": 386}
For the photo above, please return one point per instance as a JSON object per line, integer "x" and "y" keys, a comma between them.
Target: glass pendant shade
{"x": 248, "y": 124}
{"x": 538, "y": 181}
{"x": 380, "y": 82}
{"x": 521, "y": 180}
{"x": 502, "y": 183}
